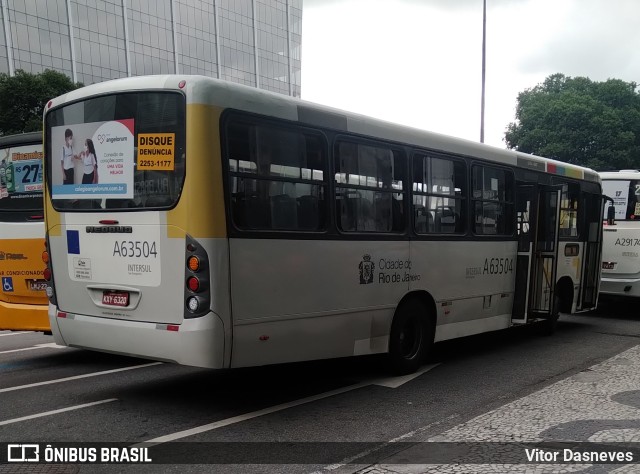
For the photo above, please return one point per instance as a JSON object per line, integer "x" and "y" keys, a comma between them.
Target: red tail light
{"x": 47, "y": 274}
{"x": 197, "y": 280}
{"x": 193, "y": 284}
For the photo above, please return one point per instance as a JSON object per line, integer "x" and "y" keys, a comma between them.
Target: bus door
{"x": 594, "y": 206}
{"x": 538, "y": 218}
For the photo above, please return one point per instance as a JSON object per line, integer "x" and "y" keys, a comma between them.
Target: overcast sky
{"x": 419, "y": 62}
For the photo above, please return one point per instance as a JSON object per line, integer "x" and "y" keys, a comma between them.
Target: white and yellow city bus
{"x": 232, "y": 227}
{"x": 621, "y": 239}
{"x": 23, "y": 302}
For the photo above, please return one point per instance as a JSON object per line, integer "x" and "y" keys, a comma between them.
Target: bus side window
{"x": 423, "y": 219}
{"x": 347, "y": 206}
{"x": 569, "y": 210}
{"x": 287, "y": 184}
{"x": 365, "y": 211}
{"x": 284, "y": 212}
{"x": 256, "y": 212}
{"x": 308, "y": 213}
{"x": 369, "y": 178}
{"x": 492, "y": 200}
{"x": 446, "y": 221}
{"x": 383, "y": 215}
{"x": 439, "y": 194}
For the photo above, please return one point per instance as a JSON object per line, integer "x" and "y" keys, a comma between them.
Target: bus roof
{"x": 622, "y": 174}
{"x": 21, "y": 139}
{"x": 223, "y": 94}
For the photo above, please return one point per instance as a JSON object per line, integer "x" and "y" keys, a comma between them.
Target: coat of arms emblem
{"x": 366, "y": 270}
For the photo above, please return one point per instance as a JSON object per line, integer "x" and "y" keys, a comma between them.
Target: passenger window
{"x": 369, "y": 188}
{"x": 277, "y": 178}
{"x": 569, "y": 210}
{"x": 439, "y": 195}
{"x": 492, "y": 201}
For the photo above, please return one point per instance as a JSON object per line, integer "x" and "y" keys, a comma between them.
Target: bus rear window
{"x": 121, "y": 151}
{"x": 20, "y": 179}
{"x": 626, "y": 198}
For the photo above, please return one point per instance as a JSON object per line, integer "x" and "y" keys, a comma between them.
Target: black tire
{"x": 411, "y": 338}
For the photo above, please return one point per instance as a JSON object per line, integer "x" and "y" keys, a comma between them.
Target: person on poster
{"x": 68, "y": 166}
{"x": 89, "y": 162}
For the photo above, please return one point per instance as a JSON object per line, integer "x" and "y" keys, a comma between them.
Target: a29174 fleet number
{"x": 627, "y": 242}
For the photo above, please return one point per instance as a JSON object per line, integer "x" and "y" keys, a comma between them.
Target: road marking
{"x": 20, "y": 350}
{"x": 77, "y": 377}
{"x": 15, "y": 333}
{"x": 393, "y": 382}
{"x": 50, "y": 345}
{"x": 55, "y": 412}
{"x": 248, "y": 416}
{"x": 383, "y": 444}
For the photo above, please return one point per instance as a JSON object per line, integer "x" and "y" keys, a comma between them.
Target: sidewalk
{"x": 600, "y": 404}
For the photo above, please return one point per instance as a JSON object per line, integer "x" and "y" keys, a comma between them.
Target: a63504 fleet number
{"x": 497, "y": 266}
{"x": 134, "y": 248}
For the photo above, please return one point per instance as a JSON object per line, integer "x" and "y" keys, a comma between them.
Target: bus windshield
{"x": 123, "y": 151}
{"x": 20, "y": 180}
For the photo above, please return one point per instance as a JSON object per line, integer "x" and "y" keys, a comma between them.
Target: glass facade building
{"x": 253, "y": 42}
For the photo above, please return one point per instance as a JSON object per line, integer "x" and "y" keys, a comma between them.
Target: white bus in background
{"x": 232, "y": 227}
{"x": 621, "y": 241}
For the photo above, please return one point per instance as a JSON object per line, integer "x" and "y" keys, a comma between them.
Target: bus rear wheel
{"x": 411, "y": 337}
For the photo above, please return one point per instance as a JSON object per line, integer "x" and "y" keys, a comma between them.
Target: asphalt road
{"x": 50, "y": 394}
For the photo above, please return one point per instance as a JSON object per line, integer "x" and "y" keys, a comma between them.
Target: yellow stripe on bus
{"x": 52, "y": 217}
{"x": 202, "y": 214}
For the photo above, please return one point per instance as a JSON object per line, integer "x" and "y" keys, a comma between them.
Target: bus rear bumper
{"x": 620, "y": 286}
{"x": 23, "y": 317}
{"x": 197, "y": 342}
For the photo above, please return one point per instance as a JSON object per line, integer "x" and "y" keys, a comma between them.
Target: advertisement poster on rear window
{"x": 619, "y": 192}
{"x": 93, "y": 160}
{"x": 20, "y": 173}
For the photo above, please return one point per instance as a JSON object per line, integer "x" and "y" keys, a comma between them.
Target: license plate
{"x": 115, "y": 298}
{"x": 608, "y": 265}
{"x": 37, "y": 285}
